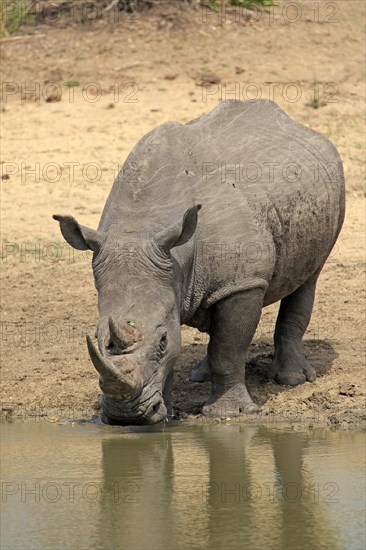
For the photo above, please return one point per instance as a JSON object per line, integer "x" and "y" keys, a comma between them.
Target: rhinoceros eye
{"x": 163, "y": 342}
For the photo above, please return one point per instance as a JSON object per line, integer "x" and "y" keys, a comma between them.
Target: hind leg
{"x": 289, "y": 365}
{"x": 201, "y": 372}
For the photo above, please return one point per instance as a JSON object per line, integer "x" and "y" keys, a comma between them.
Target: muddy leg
{"x": 289, "y": 365}
{"x": 234, "y": 321}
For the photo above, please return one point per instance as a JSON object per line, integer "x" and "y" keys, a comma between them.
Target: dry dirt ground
{"x": 63, "y": 144}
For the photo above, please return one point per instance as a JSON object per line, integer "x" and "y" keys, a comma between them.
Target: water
{"x": 186, "y": 487}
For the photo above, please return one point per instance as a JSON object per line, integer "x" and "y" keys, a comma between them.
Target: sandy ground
{"x": 62, "y": 156}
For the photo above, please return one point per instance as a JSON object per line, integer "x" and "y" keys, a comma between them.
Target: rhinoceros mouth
{"x": 156, "y": 412}
{"x": 150, "y": 411}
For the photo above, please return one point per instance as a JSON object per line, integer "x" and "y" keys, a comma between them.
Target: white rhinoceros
{"x": 270, "y": 196}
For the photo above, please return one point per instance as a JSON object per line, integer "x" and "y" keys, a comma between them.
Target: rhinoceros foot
{"x": 290, "y": 367}
{"x": 201, "y": 373}
{"x": 233, "y": 402}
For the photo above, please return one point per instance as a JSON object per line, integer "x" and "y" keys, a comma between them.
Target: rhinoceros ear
{"x": 178, "y": 233}
{"x": 79, "y": 236}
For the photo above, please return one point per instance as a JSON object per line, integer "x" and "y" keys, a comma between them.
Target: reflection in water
{"x": 221, "y": 486}
{"x": 141, "y": 467}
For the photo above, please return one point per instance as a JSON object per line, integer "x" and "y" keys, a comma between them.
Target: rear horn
{"x": 123, "y": 336}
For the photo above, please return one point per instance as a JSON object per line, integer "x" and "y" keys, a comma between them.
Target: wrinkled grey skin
{"x": 205, "y": 225}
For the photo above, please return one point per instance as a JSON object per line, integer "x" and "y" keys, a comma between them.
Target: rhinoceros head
{"x": 138, "y": 333}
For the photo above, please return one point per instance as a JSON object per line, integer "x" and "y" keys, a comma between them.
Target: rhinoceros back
{"x": 271, "y": 189}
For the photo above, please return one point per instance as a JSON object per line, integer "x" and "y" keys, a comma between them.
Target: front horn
{"x": 125, "y": 383}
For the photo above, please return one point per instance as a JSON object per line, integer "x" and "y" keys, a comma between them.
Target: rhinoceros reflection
{"x": 157, "y": 489}
{"x": 212, "y": 487}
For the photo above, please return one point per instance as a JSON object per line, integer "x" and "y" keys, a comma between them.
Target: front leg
{"x": 234, "y": 321}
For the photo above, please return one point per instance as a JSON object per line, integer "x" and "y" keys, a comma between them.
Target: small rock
{"x": 208, "y": 78}
{"x": 239, "y": 70}
{"x": 53, "y": 98}
{"x": 348, "y": 389}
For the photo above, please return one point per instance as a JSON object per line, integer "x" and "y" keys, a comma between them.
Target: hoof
{"x": 292, "y": 376}
{"x": 226, "y": 409}
{"x": 289, "y": 366}
{"x": 289, "y": 378}
{"x": 232, "y": 403}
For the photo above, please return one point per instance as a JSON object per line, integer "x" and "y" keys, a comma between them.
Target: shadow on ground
{"x": 188, "y": 397}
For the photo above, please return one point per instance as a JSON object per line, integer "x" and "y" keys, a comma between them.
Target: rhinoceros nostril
{"x": 111, "y": 348}
{"x": 156, "y": 407}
